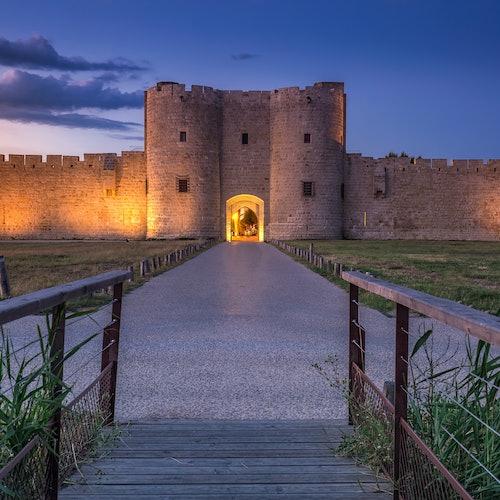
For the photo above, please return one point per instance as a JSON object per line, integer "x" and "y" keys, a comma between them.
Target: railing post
{"x": 4, "y": 280}
{"x": 353, "y": 335}
{"x": 56, "y": 342}
{"x": 110, "y": 344}
{"x": 311, "y": 252}
{"x": 400, "y": 382}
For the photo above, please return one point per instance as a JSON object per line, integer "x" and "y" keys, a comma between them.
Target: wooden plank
{"x": 139, "y": 467}
{"x": 232, "y": 430}
{"x": 240, "y": 421}
{"x": 179, "y": 454}
{"x": 33, "y": 303}
{"x": 171, "y": 440}
{"x": 213, "y": 489}
{"x": 476, "y": 323}
{"x": 202, "y": 423}
{"x": 190, "y": 446}
{"x": 333, "y": 495}
{"x": 208, "y": 479}
{"x": 322, "y": 436}
{"x": 235, "y": 428}
{"x": 133, "y": 462}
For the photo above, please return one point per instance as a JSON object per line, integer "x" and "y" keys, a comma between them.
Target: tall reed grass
{"x": 28, "y": 395}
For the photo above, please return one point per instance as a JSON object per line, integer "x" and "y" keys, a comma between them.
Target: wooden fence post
{"x": 311, "y": 253}
{"x": 400, "y": 387}
{"x": 132, "y": 277}
{"x": 56, "y": 341}
{"x": 354, "y": 352}
{"x": 110, "y": 344}
{"x": 4, "y": 280}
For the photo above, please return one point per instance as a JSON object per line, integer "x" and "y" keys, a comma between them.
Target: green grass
{"x": 33, "y": 265}
{"x": 463, "y": 271}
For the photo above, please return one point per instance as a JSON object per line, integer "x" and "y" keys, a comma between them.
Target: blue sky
{"x": 421, "y": 76}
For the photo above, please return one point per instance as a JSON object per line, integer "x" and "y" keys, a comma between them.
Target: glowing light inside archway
{"x": 245, "y": 200}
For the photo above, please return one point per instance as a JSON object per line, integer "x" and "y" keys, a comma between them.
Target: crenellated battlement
{"x": 179, "y": 91}
{"x": 408, "y": 164}
{"x": 202, "y": 92}
{"x": 104, "y": 161}
{"x": 245, "y": 97}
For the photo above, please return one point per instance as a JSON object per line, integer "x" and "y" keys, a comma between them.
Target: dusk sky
{"x": 421, "y": 76}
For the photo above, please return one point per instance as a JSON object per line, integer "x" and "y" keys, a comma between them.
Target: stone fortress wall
{"x": 432, "y": 199}
{"x": 136, "y": 195}
{"x": 101, "y": 196}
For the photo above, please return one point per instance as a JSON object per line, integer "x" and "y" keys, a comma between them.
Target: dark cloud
{"x": 243, "y": 56}
{"x": 71, "y": 120}
{"x": 108, "y": 77}
{"x": 38, "y": 53}
{"x": 127, "y": 137}
{"x": 27, "y": 90}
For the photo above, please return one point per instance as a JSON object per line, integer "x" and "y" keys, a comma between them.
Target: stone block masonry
{"x": 102, "y": 196}
{"x": 432, "y": 199}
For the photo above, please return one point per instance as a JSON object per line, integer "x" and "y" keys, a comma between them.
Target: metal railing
{"x": 415, "y": 469}
{"x": 38, "y": 469}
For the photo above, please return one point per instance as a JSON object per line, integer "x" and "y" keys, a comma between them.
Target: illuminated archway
{"x": 250, "y": 201}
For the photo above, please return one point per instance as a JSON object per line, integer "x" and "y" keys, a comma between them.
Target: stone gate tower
{"x": 182, "y": 136}
{"x": 307, "y": 159}
{"x": 280, "y": 153}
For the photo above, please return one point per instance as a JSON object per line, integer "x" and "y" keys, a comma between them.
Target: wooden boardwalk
{"x": 225, "y": 459}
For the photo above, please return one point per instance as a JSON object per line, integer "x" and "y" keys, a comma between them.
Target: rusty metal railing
{"x": 38, "y": 469}
{"x": 416, "y": 470}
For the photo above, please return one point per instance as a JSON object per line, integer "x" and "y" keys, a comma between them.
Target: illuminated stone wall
{"x": 103, "y": 196}
{"x": 392, "y": 198}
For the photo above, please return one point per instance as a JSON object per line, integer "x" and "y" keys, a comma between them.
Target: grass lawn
{"x": 32, "y": 265}
{"x": 464, "y": 271}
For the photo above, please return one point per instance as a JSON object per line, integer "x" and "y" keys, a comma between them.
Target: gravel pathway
{"x": 234, "y": 332}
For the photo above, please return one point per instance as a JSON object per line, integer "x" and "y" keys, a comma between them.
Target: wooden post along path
{"x": 4, "y": 280}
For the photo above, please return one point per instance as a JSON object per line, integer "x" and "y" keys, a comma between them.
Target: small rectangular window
{"x": 109, "y": 192}
{"x": 244, "y": 138}
{"x": 183, "y": 137}
{"x": 308, "y": 188}
{"x": 307, "y": 138}
{"x": 183, "y": 185}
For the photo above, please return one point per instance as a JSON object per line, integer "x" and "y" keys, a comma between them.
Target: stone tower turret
{"x": 183, "y": 135}
{"x": 307, "y": 157}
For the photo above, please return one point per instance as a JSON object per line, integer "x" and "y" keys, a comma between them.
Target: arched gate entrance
{"x": 245, "y": 217}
